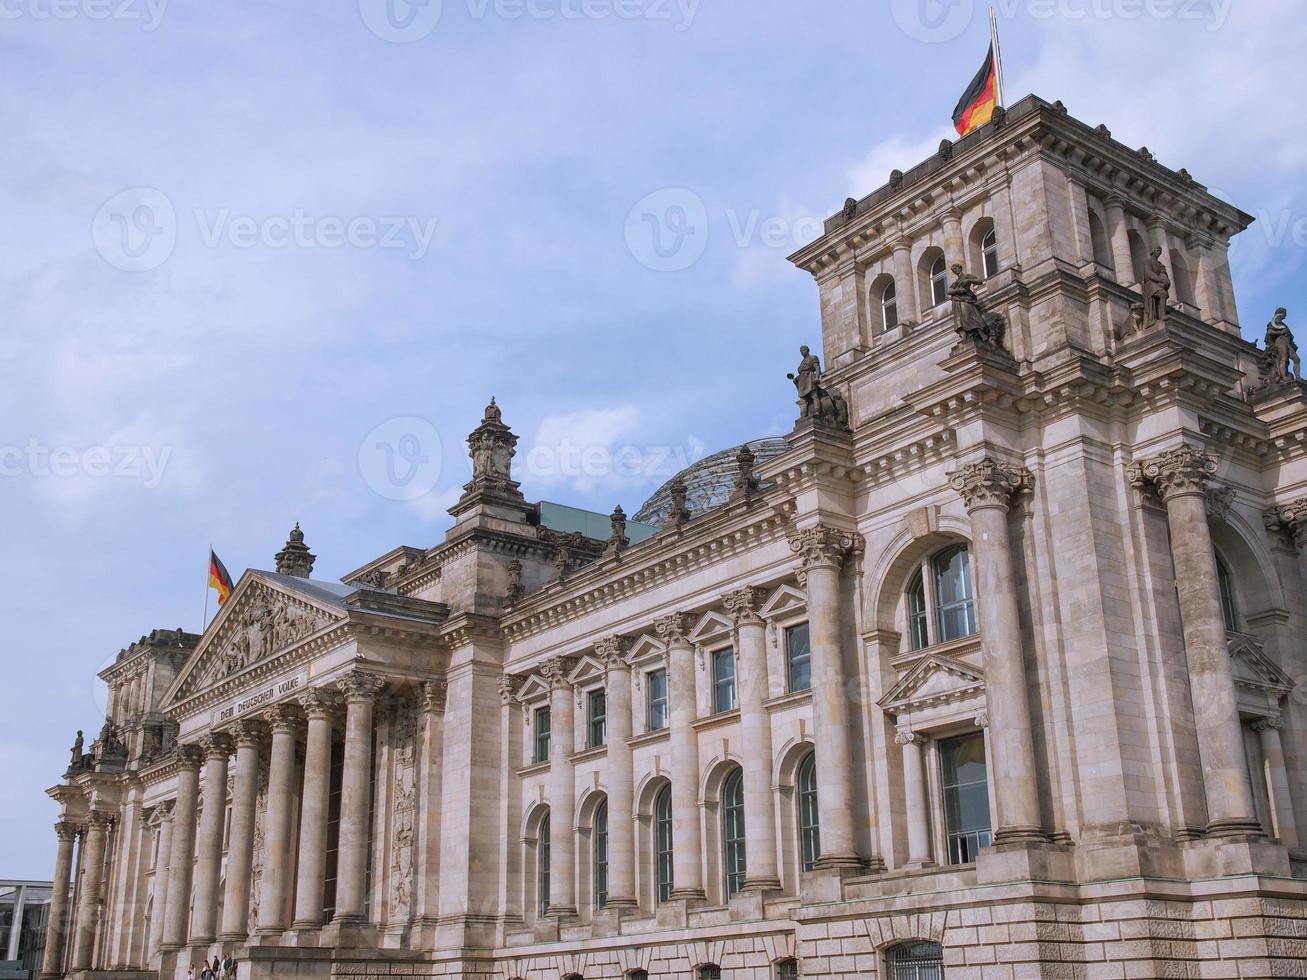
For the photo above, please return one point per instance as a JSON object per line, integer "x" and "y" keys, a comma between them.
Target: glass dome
{"x": 707, "y": 483}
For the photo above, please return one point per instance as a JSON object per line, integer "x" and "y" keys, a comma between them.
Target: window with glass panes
{"x": 809, "y": 828}
{"x": 542, "y": 866}
{"x": 541, "y": 735}
{"x": 1226, "y": 586}
{"x": 787, "y": 970}
{"x": 940, "y": 599}
{"x": 938, "y": 281}
{"x": 597, "y": 718}
{"x": 656, "y": 686}
{"x": 733, "y": 853}
{"x": 601, "y": 855}
{"x": 798, "y": 656}
{"x": 663, "y": 842}
{"x": 964, "y": 783}
{"x": 915, "y": 961}
{"x": 723, "y": 680}
{"x": 709, "y": 972}
{"x": 989, "y": 253}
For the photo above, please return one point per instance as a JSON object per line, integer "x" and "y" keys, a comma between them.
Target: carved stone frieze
{"x": 265, "y": 623}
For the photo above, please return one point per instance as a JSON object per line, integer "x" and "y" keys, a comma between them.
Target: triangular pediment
{"x": 587, "y": 667}
{"x": 933, "y": 679}
{"x": 712, "y": 626}
{"x": 264, "y": 617}
{"x": 533, "y": 688}
{"x": 645, "y": 648}
{"x": 1254, "y": 669}
{"x": 784, "y": 602}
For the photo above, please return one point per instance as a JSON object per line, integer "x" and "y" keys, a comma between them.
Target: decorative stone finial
{"x": 678, "y": 491}
{"x": 295, "y": 559}
{"x": 492, "y": 446}
{"x": 746, "y": 482}
{"x": 617, "y": 541}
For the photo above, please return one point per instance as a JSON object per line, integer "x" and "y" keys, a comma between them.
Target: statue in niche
{"x": 1281, "y": 352}
{"x": 815, "y": 400}
{"x": 971, "y": 320}
{"x": 1156, "y": 287}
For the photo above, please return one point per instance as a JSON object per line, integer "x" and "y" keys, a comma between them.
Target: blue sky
{"x": 247, "y": 244}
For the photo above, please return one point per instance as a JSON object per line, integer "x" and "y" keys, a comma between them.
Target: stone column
{"x": 954, "y": 250}
{"x": 915, "y": 798}
{"x": 318, "y": 705}
{"x": 755, "y": 735}
{"x": 57, "y": 923}
{"x": 162, "y": 865}
{"x": 1180, "y": 478}
{"x": 360, "y": 692}
{"x": 1119, "y": 232}
{"x": 435, "y": 696}
{"x": 621, "y": 773}
{"x": 284, "y": 719}
{"x": 88, "y": 911}
{"x": 1277, "y": 781}
{"x": 987, "y": 487}
{"x": 687, "y": 849}
{"x": 181, "y": 867}
{"x": 562, "y": 788}
{"x": 217, "y": 748}
{"x": 905, "y": 283}
{"x": 250, "y": 736}
{"x": 822, "y": 549}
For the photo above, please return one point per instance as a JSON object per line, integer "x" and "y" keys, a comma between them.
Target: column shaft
{"x": 755, "y": 730}
{"x": 905, "y": 283}
{"x": 1119, "y": 231}
{"x": 313, "y": 812}
{"x": 360, "y": 691}
{"x": 97, "y": 832}
{"x": 621, "y": 776}
{"x": 57, "y": 922}
{"x": 209, "y": 843}
{"x": 915, "y": 798}
{"x": 285, "y": 723}
{"x": 159, "y": 887}
{"x": 562, "y": 792}
{"x": 182, "y": 863}
{"x": 240, "y": 849}
{"x": 687, "y": 847}
{"x": 1277, "y": 782}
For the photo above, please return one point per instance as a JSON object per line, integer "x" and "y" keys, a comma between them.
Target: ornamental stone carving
{"x": 358, "y": 686}
{"x": 611, "y": 652}
{"x": 1290, "y": 518}
{"x": 265, "y": 623}
{"x": 217, "y": 745}
{"x": 284, "y": 718}
{"x": 821, "y": 544}
{"x": 1267, "y": 725}
{"x": 816, "y": 401}
{"x": 1281, "y": 353}
{"x": 742, "y": 605}
{"x": 163, "y": 810}
{"x": 189, "y": 756}
{"x": 910, "y": 738}
{"x": 294, "y": 558}
{"x": 1219, "y": 501}
{"x": 674, "y": 629}
{"x": 66, "y": 830}
{"x": 509, "y": 685}
{"x": 435, "y": 696}
{"x": 1177, "y": 472}
{"x": 990, "y": 483}
{"x": 319, "y": 702}
{"x": 556, "y": 670}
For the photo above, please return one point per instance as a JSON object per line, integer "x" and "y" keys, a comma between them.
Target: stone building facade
{"x": 994, "y": 669}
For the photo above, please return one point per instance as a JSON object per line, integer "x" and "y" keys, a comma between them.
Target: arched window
{"x": 733, "y": 831}
{"x": 989, "y": 254}
{"x": 1226, "y": 584}
{"x": 889, "y": 306}
{"x": 787, "y": 970}
{"x": 709, "y": 971}
{"x": 916, "y": 961}
{"x": 601, "y": 854}
{"x": 809, "y": 827}
{"x": 663, "y": 843}
{"x": 946, "y": 610}
{"x": 542, "y": 866}
{"x": 938, "y": 280}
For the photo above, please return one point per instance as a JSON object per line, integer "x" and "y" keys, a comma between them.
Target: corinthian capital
{"x": 319, "y": 702}
{"x": 189, "y": 756}
{"x": 742, "y": 605}
{"x": 509, "y": 685}
{"x": 435, "y": 695}
{"x": 612, "y": 651}
{"x": 217, "y": 745}
{"x": 359, "y": 686}
{"x": 675, "y": 628}
{"x": 556, "y": 670}
{"x": 910, "y": 738}
{"x": 821, "y": 544}
{"x": 1178, "y": 472}
{"x": 1291, "y": 518}
{"x": 66, "y": 830}
{"x": 990, "y": 483}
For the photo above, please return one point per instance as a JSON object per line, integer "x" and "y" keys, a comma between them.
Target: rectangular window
{"x": 723, "y": 679}
{"x": 966, "y": 796}
{"x": 656, "y": 684}
{"x": 541, "y": 753}
{"x": 598, "y": 708}
{"x": 798, "y": 652}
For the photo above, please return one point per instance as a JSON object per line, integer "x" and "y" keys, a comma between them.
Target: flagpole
{"x": 998, "y": 56}
{"x": 204, "y": 619}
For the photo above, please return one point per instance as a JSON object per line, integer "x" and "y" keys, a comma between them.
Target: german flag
{"x": 218, "y": 578}
{"x": 978, "y": 102}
